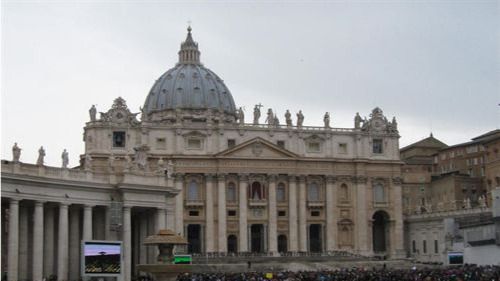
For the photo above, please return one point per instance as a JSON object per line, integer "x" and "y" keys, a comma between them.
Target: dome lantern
{"x": 189, "y": 53}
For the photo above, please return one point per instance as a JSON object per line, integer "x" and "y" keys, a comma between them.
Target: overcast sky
{"x": 435, "y": 65}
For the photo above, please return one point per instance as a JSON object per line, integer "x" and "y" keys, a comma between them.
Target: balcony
{"x": 257, "y": 203}
{"x": 194, "y": 203}
{"x": 315, "y": 204}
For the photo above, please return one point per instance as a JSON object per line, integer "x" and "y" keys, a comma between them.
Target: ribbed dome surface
{"x": 189, "y": 85}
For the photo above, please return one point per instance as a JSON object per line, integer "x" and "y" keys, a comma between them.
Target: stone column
{"x": 62, "y": 240}
{"x": 398, "y": 249}
{"x": 48, "y": 237}
{"x": 331, "y": 226}
{"x": 127, "y": 244}
{"x": 179, "y": 205}
{"x": 160, "y": 219}
{"x": 209, "y": 214}
{"x": 38, "y": 241}
{"x": 292, "y": 214}
{"x": 23, "y": 243}
{"x": 74, "y": 243}
{"x": 302, "y": 215}
{"x": 143, "y": 233}
{"x": 243, "y": 237}
{"x": 361, "y": 218}
{"x": 87, "y": 222}
{"x": 13, "y": 247}
{"x": 273, "y": 220}
{"x": 221, "y": 201}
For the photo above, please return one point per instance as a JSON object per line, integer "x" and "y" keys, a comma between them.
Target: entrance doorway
{"x": 380, "y": 231}
{"x": 194, "y": 238}
{"x": 257, "y": 238}
{"x": 282, "y": 244}
{"x": 315, "y": 244}
{"x": 232, "y": 244}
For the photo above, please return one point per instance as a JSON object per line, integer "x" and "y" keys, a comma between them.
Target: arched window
{"x": 193, "y": 192}
{"x": 313, "y": 192}
{"x": 281, "y": 192}
{"x": 378, "y": 193}
{"x": 344, "y": 192}
{"x": 231, "y": 192}
{"x": 256, "y": 191}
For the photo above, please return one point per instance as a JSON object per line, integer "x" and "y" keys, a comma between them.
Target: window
{"x": 281, "y": 193}
{"x": 424, "y": 246}
{"x": 377, "y": 146}
{"x": 231, "y": 143}
{"x": 231, "y": 192}
{"x": 118, "y": 139}
{"x": 436, "y": 248}
{"x": 313, "y": 192}
{"x": 413, "y": 246}
{"x": 161, "y": 143}
{"x": 193, "y": 143}
{"x": 313, "y": 147}
{"x": 343, "y": 148}
{"x": 315, "y": 213}
{"x": 231, "y": 213}
{"x": 281, "y": 143}
{"x": 256, "y": 191}
{"x": 344, "y": 192}
{"x": 193, "y": 193}
{"x": 194, "y": 213}
{"x": 281, "y": 213}
{"x": 378, "y": 193}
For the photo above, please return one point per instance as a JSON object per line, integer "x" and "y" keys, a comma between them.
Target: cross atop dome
{"x": 189, "y": 53}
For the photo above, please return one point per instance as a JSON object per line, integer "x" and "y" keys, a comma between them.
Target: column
{"x": 87, "y": 222}
{"x": 209, "y": 214}
{"x": 171, "y": 214}
{"x": 23, "y": 243}
{"x": 331, "y": 226}
{"x": 127, "y": 244}
{"x": 74, "y": 243}
{"x": 179, "y": 205}
{"x": 62, "y": 240}
{"x": 292, "y": 214}
{"x": 48, "y": 237}
{"x": 221, "y": 201}
{"x": 302, "y": 215}
{"x": 273, "y": 227}
{"x": 160, "y": 219}
{"x": 13, "y": 248}
{"x": 361, "y": 219}
{"x": 398, "y": 248}
{"x": 243, "y": 235}
{"x": 143, "y": 233}
{"x": 38, "y": 241}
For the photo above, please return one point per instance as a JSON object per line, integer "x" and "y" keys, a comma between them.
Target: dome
{"x": 190, "y": 87}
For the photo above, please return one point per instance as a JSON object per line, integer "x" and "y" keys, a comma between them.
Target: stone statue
{"x": 170, "y": 169}
{"x": 111, "y": 163}
{"x": 394, "y": 124}
{"x": 467, "y": 203}
{"x": 141, "y": 158}
{"x": 241, "y": 116}
{"x": 481, "y": 201}
{"x": 160, "y": 169}
{"x": 93, "y": 113}
{"x": 288, "y": 118}
{"x": 256, "y": 114}
{"x": 357, "y": 121}
{"x": 65, "y": 158}
{"x": 41, "y": 155}
{"x": 300, "y": 119}
{"x": 88, "y": 162}
{"x": 270, "y": 117}
{"x": 326, "y": 120}
{"x": 16, "y": 153}
{"x": 276, "y": 121}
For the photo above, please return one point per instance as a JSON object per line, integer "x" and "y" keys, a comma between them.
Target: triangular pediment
{"x": 256, "y": 148}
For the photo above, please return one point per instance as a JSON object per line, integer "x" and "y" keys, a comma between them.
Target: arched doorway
{"x": 315, "y": 244}
{"x": 194, "y": 238}
{"x": 257, "y": 238}
{"x": 380, "y": 231}
{"x": 232, "y": 244}
{"x": 282, "y": 244}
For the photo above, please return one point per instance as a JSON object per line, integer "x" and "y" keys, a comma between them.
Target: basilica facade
{"x": 191, "y": 162}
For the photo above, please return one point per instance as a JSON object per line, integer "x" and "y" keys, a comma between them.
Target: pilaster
{"x": 292, "y": 214}
{"x": 243, "y": 224}
{"x": 221, "y": 201}
{"x": 273, "y": 227}
{"x": 302, "y": 215}
{"x": 209, "y": 213}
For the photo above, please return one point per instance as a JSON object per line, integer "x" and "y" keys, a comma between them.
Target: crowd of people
{"x": 462, "y": 273}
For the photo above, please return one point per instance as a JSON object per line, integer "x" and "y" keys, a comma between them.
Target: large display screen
{"x": 455, "y": 258}
{"x": 101, "y": 258}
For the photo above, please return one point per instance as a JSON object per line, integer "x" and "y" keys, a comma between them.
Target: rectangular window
{"x": 436, "y": 248}
{"x": 313, "y": 147}
{"x": 118, "y": 139}
{"x": 315, "y": 213}
{"x": 161, "y": 143}
{"x": 231, "y": 143}
{"x": 194, "y": 143}
{"x": 231, "y": 213}
{"x": 281, "y": 213}
{"x": 377, "y": 146}
{"x": 281, "y": 143}
{"x": 424, "y": 246}
{"x": 343, "y": 148}
{"x": 413, "y": 246}
{"x": 194, "y": 213}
